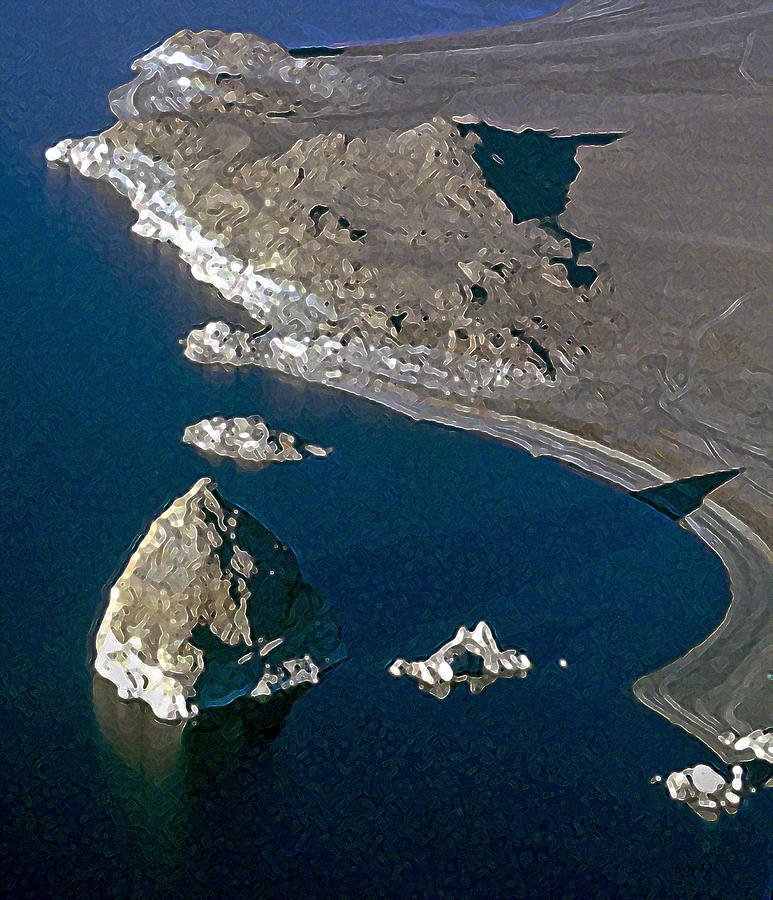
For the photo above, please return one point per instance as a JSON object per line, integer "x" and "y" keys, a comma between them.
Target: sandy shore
{"x": 681, "y": 211}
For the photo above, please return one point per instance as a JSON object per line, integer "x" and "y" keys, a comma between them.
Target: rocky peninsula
{"x": 342, "y": 203}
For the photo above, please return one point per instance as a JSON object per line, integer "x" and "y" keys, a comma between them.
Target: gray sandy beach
{"x": 681, "y": 210}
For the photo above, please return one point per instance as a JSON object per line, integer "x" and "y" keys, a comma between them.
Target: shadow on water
{"x": 221, "y": 740}
{"x": 225, "y": 743}
{"x": 311, "y": 52}
{"x": 531, "y": 171}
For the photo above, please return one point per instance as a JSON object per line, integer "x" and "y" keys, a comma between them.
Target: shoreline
{"x": 747, "y": 559}
{"x": 675, "y": 212}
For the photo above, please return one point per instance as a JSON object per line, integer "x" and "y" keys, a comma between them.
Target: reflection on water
{"x": 146, "y": 744}
{"x": 201, "y": 750}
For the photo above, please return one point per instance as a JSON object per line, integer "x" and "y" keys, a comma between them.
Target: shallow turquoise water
{"x": 537, "y": 787}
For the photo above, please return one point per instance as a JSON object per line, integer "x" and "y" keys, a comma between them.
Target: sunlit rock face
{"x": 211, "y": 607}
{"x": 707, "y": 792}
{"x": 219, "y": 343}
{"x": 248, "y": 440}
{"x": 470, "y": 657}
{"x": 369, "y": 256}
{"x": 209, "y": 71}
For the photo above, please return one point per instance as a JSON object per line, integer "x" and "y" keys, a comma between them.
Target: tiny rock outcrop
{"x": 248, "y": 440}
{"x": 470, "y": 656}
{"x": 211, "y": 606}
{"x": 706, "y": 792}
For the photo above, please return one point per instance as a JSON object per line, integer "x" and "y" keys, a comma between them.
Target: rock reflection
{"x": 146, "y": 744}
{"x": 205, "y": 748}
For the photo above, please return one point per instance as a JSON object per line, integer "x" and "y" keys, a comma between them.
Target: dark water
{"x": 531, "y": 171}
{"x": 679, "y": 498}
{"x": 365, "y": 787}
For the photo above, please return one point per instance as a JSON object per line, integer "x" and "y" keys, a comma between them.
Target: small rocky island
{"x": 706, "y": 792}
{"x": 470, "y": 657}
{"x": 211, "y": 607}
{"x": 248, "y": 440}
{"x": 710, "y": 794}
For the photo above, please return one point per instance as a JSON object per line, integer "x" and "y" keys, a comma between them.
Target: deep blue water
{"x": 535, "y": 788}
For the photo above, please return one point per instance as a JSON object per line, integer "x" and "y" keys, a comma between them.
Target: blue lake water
{"x": 535, "y": 788}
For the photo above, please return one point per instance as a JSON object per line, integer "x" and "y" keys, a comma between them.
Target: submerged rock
{"x": 211, "y": 607}
{"x": 471, "y": 656}
{"x": 248, "y": 440}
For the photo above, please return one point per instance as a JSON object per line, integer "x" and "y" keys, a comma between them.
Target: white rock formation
{"x": 470, "y": 656}
{"x": 248, "y": 439}
{"x": 759, "y": 742}
{"x": 706, "y": 792}
{"x": 210, "y": 607}
{"x": 219, "y": 343}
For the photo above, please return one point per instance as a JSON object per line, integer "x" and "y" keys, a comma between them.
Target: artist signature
{"x": 703, "y": 867}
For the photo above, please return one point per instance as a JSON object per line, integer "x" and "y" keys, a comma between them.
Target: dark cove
{"x": 532, "y": 171}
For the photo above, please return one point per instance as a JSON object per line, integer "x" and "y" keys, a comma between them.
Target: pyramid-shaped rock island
{"x": 211, "y": 606}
